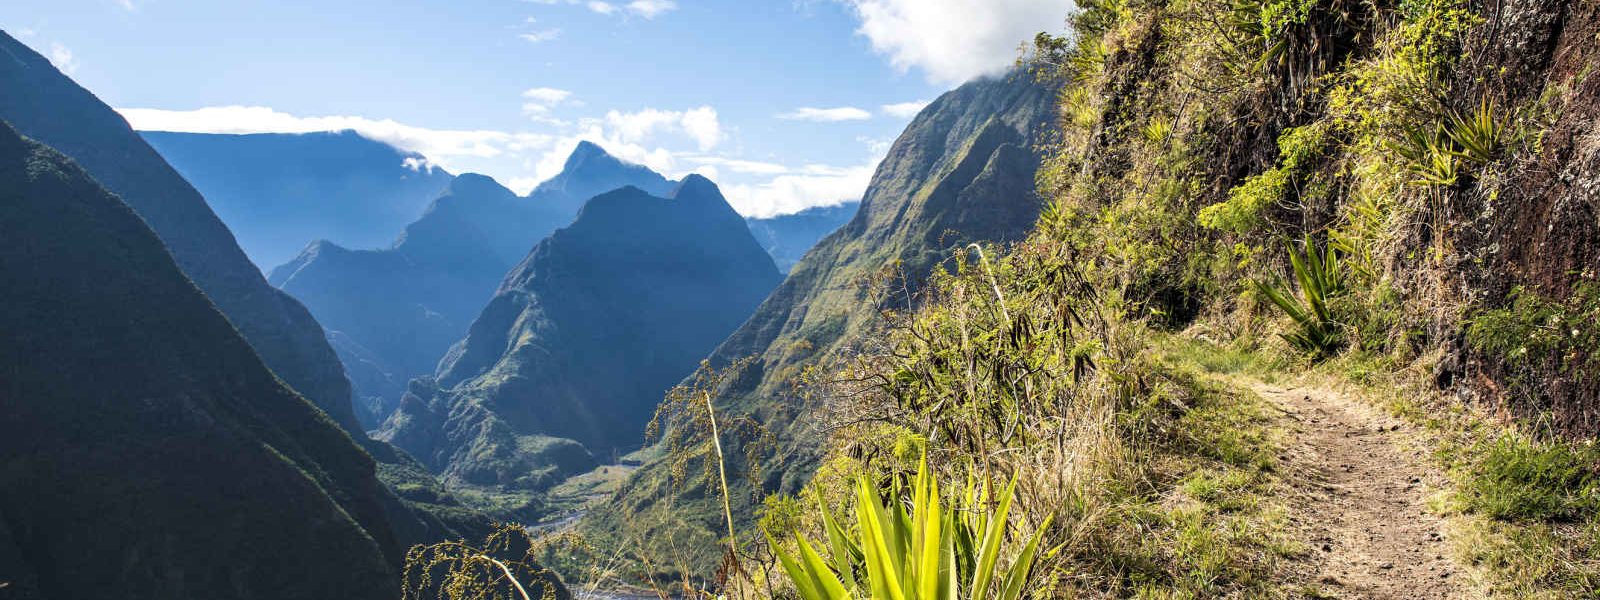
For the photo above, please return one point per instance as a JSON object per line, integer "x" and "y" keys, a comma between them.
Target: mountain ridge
{"x": 583, "y": 338}
{"x": 395, "y": 312}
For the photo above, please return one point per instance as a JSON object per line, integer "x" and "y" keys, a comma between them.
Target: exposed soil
{"x": 1361, "y": 482}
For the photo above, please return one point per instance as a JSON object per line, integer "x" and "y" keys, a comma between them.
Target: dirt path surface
{"x": 1362, "y": 483}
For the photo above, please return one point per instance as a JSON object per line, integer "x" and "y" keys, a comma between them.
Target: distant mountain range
{"x": 570, "y": 358}
{"x": 788, "y": 237}
{"x": 962, "y": 171}
{"x": 393, "y": 313}
{"x": 278, "y": 191}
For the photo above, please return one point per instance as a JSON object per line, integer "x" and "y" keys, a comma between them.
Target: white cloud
{"x": 538, "y": 102}
{"x": 546, "y": 95}
{"x": 952, "y": 41}
{"x": 442, "y": 146}
{"x": 418, "y": 164}
{"x": 904, "y": 110}
{"x": 748, "y": 167}
{"x": 62, "y": 58}
{"x": 827, "y": 115}
{"x": 813, "y": 185}
{"x": 659, "y": 139}
{"x": 127, "y": 5}
{"x": 700, "y": 124}
{"x": 650, "y": 9}
{"x": 542, "y": 35}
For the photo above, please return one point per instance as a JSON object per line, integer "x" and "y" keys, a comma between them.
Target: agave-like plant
{"x": 1321, "y": 278}
{"x": 928, "y": 553}
{"x": 1477, "y": 136}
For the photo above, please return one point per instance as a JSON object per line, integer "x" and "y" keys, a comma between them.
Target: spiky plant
{"x": 922, "y": 547}
{"x": 1477, "y": 136}
{"x": 1320, "y": 276}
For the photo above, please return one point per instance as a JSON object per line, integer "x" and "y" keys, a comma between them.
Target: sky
{"x": 786, "y": 104}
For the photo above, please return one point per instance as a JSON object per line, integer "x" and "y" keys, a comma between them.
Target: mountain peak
{"x": 585, "y": 153}
{"x": 696, "y": 186}
{"x": 474, "y": 184}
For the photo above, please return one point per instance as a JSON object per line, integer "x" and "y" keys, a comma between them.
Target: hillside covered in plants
{"x": 1310, "y": 311}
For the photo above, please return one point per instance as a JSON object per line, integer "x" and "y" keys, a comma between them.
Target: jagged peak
{"x": 586, "y": 153}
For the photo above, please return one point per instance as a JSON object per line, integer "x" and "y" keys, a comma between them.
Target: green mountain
{"x": 275, "y": 191}
{"x": 573, "y": 353}
{"x": 148, "y": 452}
{"x": 788, "y": 237}
{"x": 962, "y": 171}
{"x": 392, "y": 313}
{"x": 45, "y": 105}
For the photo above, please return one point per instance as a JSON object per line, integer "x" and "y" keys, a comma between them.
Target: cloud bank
{"x": 953, "y": 41}
{"x": 521, "y": 160}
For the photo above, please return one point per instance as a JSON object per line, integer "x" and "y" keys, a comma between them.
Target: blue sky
{"x": 785, "y": 103}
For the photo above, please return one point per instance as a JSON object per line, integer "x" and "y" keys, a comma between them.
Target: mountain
{"x": 149, "y": 452}
{"x": 572, "y": 355}
{"x": 392, "y": 313}
{"x": 45, "y": 105}
{"x": 788, "y": 237}
{"x": 962, "y": 171}
{"x": 276, "y": 191}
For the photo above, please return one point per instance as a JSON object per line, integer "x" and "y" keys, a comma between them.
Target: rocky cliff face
{"x": 962, "y": 171}
{"x": 584, "y": 337}
{"x": 148, "y": 452}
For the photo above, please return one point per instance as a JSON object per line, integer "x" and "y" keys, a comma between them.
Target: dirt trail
{"x": 1362, "y": 483}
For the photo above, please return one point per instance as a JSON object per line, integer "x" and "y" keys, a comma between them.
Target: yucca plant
{"x": 1477, "y": 136}
{"x": 933, "y": 549}
{"x": 1430, "y": 155}
{"x": 1321, "y": 280}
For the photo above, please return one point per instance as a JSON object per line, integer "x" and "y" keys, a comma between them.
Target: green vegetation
{"x": 1102, "y": 360}
{"x": 1321, "y": 279}
{"x": 922, "y": 545}
{"x": 503, "y": 567}
{"x": 1514, "y": 477}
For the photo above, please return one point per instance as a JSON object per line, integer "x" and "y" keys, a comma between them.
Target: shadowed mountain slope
{"x": 584, "y": 337}
{"x": 147, "y": 452}
{"x": 45, "y": 105}
{"x": 393, "y": 313}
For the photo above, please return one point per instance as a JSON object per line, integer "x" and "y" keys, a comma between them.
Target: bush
{"x": 1516, "y": 477}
